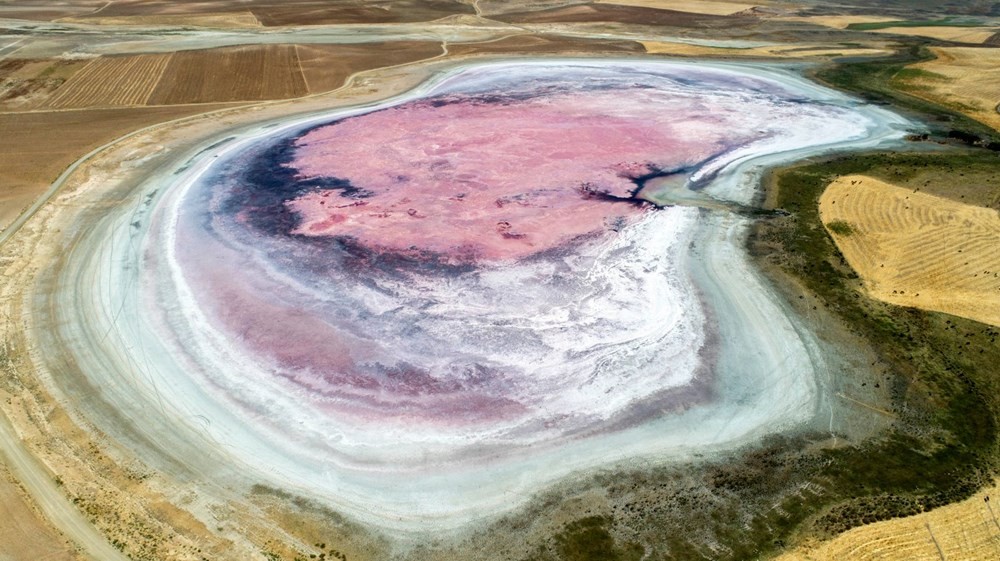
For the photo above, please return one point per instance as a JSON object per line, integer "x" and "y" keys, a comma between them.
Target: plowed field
{"x": 112, "y": 81}
{"x": 250, "y": 73}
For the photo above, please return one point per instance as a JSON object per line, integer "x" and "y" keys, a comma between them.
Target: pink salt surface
{"x": 311, "y": 353}
{"x": 475, "y": 181}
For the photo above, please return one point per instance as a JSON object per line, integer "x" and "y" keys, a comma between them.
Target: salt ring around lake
{"x": 424, "y": 311}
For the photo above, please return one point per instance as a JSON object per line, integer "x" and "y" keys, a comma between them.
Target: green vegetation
{"x": 588, "y": 539}
{"x": 918, "y": 74}
{"x": 944, "y": 371}
{"x": 840, "y": 228}
{"x": 940, "y": 376}
{"x": 944, "y": 22}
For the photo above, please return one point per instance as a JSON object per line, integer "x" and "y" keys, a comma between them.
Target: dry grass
{"x": 713, "y": 7}
{"x": 250, "y": 73}
{"x": 112, "y": 81}
{"x": 964, "y": 78}
{"x": 780, "y": 51}
{"x": 966, "y": 531}
{"x": 915, "y": 249}
{"x": 957, "y": 34}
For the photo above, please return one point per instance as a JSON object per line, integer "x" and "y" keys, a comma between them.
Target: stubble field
{"x": 915, "y": 249}
{"x": 963, "y": 78}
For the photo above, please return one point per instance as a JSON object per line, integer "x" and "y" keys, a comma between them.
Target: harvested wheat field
{"x": 838, "y": 22}
{"x": 716, "y": 8}
{"x": 248, "y": 73}
{"x": 967, "y": 531}
{"x": 112, "y": 81}
{"x": 945, "y": 33}
{"x": 914, "y": 249}
{"x": 616, "y": 13}
{"x": 963, "y": 78}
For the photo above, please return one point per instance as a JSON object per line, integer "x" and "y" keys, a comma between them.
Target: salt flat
{"x": 235, "y": 350}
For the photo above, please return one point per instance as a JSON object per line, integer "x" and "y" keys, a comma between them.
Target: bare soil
{"x": 50, "y": 141}
{"x": 23, "y": 534}
{"x": 248, "y": 73}
{"x": 325, "y": 67}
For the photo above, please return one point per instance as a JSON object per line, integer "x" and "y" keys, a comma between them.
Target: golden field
{"x": 915, "y": 249}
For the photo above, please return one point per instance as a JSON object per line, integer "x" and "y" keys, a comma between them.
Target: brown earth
{"x": 544, "y": 44}
{"x": 48, "y": 142}
{"x": 112, "y": 81}
{"x": 295, "y": 12}
{"x": 495, "y": 7}
{"x": 963, "y": 78}
{"x": 248, "y": 73}
{"x": 915, "y": 249}
{"x": 322, "y": 13}
{"x": 325, "y": 67}
{"x": 23, "y": 534}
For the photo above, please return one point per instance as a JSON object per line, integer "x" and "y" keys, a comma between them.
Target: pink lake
{"x": 483, "y": 181}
